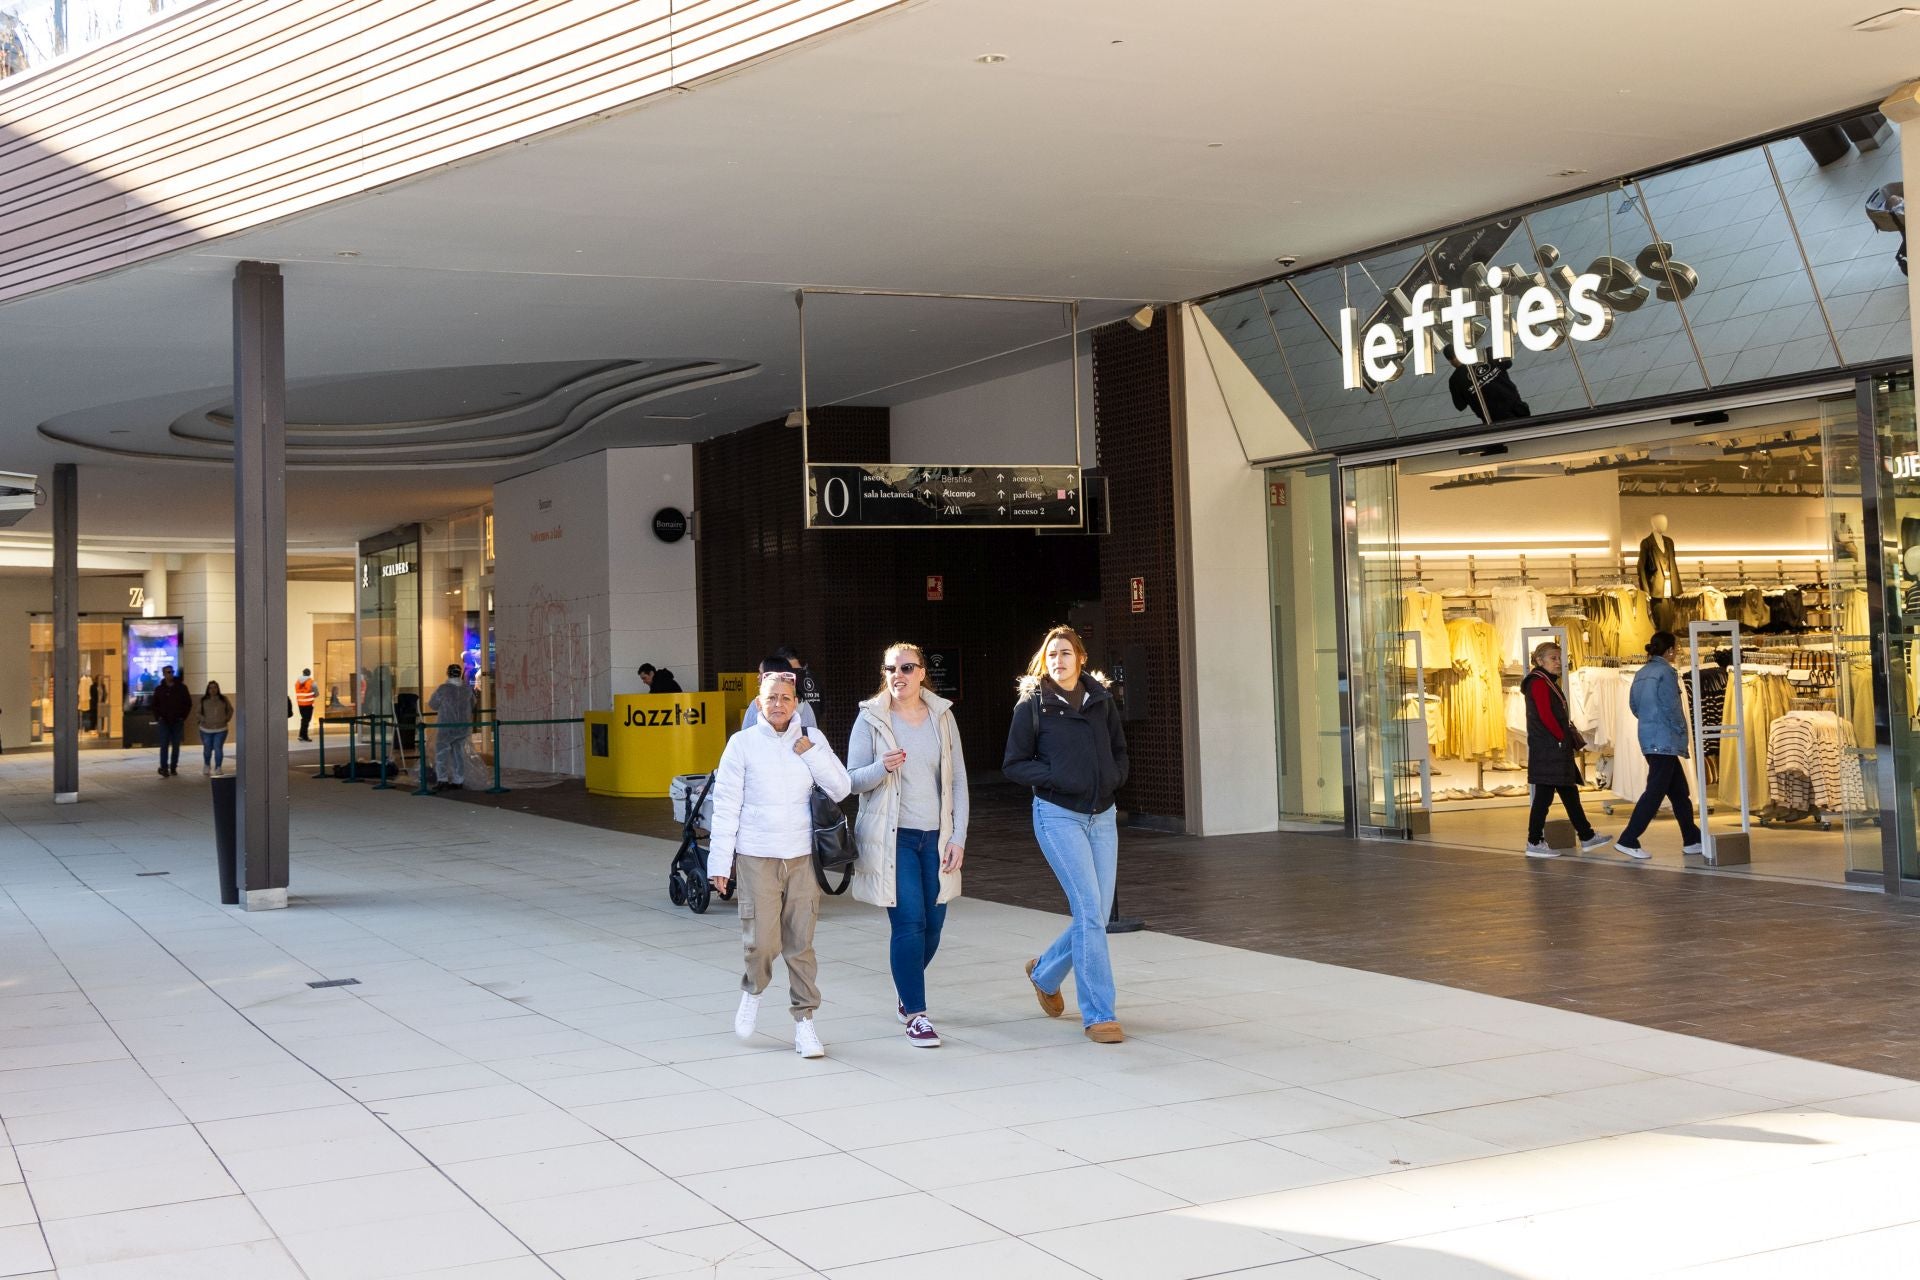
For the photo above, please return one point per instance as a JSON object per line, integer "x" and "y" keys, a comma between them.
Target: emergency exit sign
{"x": 1137, "y": 594}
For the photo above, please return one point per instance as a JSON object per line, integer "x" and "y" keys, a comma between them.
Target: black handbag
{"x": 833, "y": 845}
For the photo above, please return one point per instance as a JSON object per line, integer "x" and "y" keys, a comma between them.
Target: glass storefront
{"x": 425, "y": 604}
{"x": 101, "y": 683}
{"x": 1306, "y": 641}
{"x": 1458, "y": 561}
{"x": 1895, "y": 620}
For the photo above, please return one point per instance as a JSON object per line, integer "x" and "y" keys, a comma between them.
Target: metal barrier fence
{"x": 383, "y": 729}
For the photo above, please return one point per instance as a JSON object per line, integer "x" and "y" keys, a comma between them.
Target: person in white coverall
{"x": 452, "y": 705}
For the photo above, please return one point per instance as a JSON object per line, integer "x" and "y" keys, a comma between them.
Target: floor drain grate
{"x": 336, "y": 982}
{"x": 153, "y": 873}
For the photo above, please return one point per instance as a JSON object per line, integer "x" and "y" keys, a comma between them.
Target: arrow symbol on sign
{"x": 1002, "y": 493}
{"x": 1003, "y": 511}
{"x": 1073, "y": 511}
{"x": 1000, "y": 477}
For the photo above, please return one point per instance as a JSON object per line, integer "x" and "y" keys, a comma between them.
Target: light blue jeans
{"x": 1083, "y": 850}
{"x": 213, "y": 747}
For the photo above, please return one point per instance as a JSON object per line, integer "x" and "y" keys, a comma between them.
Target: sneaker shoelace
{"x": 919, "y": 1026}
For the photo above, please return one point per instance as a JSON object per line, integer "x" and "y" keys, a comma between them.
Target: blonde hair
{"x": 919, "y": 654}
{"x": 1037, "y": 668}
{"x": 1541, "y": 650}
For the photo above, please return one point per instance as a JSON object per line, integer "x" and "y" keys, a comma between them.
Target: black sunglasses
{"x": 905, "y": 668}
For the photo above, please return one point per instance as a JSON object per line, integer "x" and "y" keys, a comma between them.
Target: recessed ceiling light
{"x": 346, "y": 253}
{"x": 1568, "y": 173}
{"x": 1215, "y": 146}
{"x": 988, "y": 59}
{"x": 1891, "y": 18}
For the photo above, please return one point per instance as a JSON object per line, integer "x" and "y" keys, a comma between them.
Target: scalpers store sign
{"x": 1498, "y": 306}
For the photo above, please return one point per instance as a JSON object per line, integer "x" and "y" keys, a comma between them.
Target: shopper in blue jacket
{"x": 1066, "y": 743}
{"x": 1655, "y": 701}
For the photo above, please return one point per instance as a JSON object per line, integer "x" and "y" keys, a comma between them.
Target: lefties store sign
{"x": 1538, "y": 310}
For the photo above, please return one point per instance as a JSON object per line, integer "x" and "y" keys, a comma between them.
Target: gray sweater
{"x": 919, "y": 776}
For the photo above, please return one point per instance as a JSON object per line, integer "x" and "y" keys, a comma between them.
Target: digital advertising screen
{"x": 151, "y": 643}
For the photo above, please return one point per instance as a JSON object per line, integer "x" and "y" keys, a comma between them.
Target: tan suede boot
{"x": 1052, "y": 1005}
{"x": 1106, "y": 1033}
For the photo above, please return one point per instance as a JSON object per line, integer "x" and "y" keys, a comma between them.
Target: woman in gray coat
{"x": 907, "y": 768}
{"x": 1553, "y": 755}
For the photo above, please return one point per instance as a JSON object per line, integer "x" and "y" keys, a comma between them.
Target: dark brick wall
{"x": 841, "y": 596}
{"x": 1133, "y": 407}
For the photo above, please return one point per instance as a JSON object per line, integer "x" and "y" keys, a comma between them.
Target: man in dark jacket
{"x": 1553, "y": 755}
{"x": 658, "y": 679}
{"x": 170, "y": 702}
{"x": 1487, "y": 388}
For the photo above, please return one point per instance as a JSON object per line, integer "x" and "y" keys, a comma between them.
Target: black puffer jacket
{"x": 1552, "y": 758}
{"x": 1075, "y": 757}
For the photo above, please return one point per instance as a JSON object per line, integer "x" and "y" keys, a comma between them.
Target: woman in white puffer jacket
{"x": 762, "y": 833}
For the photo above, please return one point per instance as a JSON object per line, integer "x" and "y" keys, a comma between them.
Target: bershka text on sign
{"x": 1540, "y": 310}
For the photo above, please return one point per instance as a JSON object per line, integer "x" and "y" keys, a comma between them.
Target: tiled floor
{"x": 534, "y": 1077}
{"x": 1820, "y": 972}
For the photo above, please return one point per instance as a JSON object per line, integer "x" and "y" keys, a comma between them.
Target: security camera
{"x": 1286, "y": 260}
{"x": 1142, "y": 319}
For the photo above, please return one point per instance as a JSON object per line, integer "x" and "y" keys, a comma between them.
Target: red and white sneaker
{"x": 920, "y": 1033}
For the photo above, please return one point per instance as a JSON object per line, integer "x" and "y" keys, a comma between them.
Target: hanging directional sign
{"x": 890, "y": 496}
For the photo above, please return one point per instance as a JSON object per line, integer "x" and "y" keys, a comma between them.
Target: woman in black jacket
{"x": 1066, "y": 744}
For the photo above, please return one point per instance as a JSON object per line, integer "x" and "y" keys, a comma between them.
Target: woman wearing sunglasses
{"x": 1066, "y": 743}
{"x": 905, "y": 763}
{"x": 762, "y": 831}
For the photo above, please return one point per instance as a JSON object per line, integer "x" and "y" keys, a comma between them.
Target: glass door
{"x": 1306, "y": 643}
{"x": 1389, "y": 713}
{"x": 1895, "y": 614}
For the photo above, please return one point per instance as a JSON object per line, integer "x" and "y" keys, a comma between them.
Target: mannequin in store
{"x": 1660, "y": 574}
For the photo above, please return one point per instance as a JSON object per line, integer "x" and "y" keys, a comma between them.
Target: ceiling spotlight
{"x": 989, "y": 59}
{"x": 1142, "y": 319}
{"x": 346, "y": 253}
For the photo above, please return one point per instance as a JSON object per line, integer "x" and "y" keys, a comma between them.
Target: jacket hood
{"x": 1095, "y": 681}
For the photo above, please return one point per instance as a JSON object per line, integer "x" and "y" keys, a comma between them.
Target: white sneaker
{"x": 1598, "y": 840}
{"x": 206, "y": 771}
{"x": 1633, "y": 851}
{"x": 806, "y": 1041}
{"x": 1541, "y": 850}
{"x": 1695, "y": 847}
{"x": 747, "y": 1016}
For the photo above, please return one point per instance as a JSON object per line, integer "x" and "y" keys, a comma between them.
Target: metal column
{"x": 260, "y": 580}
{"x": 66, "y": 633}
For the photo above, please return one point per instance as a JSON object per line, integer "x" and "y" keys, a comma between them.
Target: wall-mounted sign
{"x": 1137, "y": 595}
{"x": 1538, "y": 310}
{"x": 943, "y": 672}
{"x": 1904, "y": 466}
{"x": 398, "y": 569}
{"x": 892, "y": 496}
{"x": 1277, "y": 493}
{"x": 936, "y": 586}
{"x": 669, "y": 524}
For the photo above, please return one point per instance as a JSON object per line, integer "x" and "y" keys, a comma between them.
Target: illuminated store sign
{"x": 1540, "y": 310}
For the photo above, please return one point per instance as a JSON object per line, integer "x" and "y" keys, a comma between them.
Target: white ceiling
{"x": 886, "y": 157}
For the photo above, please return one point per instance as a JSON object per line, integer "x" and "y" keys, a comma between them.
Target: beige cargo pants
{"x": 779, "y": 905}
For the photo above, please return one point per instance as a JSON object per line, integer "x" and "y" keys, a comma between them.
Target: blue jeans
{"x": 213, "y": 747}
{"x": 1083, "y": 850}
{"x": 171, "y": 732}
{"x": 917, "y": 914}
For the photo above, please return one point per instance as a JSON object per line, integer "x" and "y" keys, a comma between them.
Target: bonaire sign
{"x": 1537, "y": 310}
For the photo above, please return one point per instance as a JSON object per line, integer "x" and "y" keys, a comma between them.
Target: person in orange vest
{"x": 303, "y": 693}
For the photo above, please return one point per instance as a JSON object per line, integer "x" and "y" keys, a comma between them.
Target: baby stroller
{"x": 687, "y": 884}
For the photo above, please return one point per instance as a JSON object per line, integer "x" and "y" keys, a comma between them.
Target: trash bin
{"x": 226, "y": 794}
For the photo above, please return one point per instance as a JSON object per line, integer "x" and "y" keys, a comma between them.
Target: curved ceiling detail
{"x": 473, "y": 416}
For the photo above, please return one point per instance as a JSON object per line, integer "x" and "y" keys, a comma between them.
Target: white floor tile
{"x": 738, "y": 1145}
{"x": 792, "y": 1185}
{"x": 379, "y": 1197}
{"x": 933, "y": 1163}
{"x": 1000, "y": 1259}
{"x": 1206, "y": 1174}
{"x": 1164, "y": 1246}
{"x": 845, "y": 1235}
{"x": 146, "y": 1233}
{"x": 1064, "y": 1198}
{"x": 253, "y": 1260}
{"x": 729, "y": 1252}
{"x": 372, "y": 1251}
{"x": 578, "y": 1219}
{"x": 23, "y": 1251}
{"x": 532, "y": 1174}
